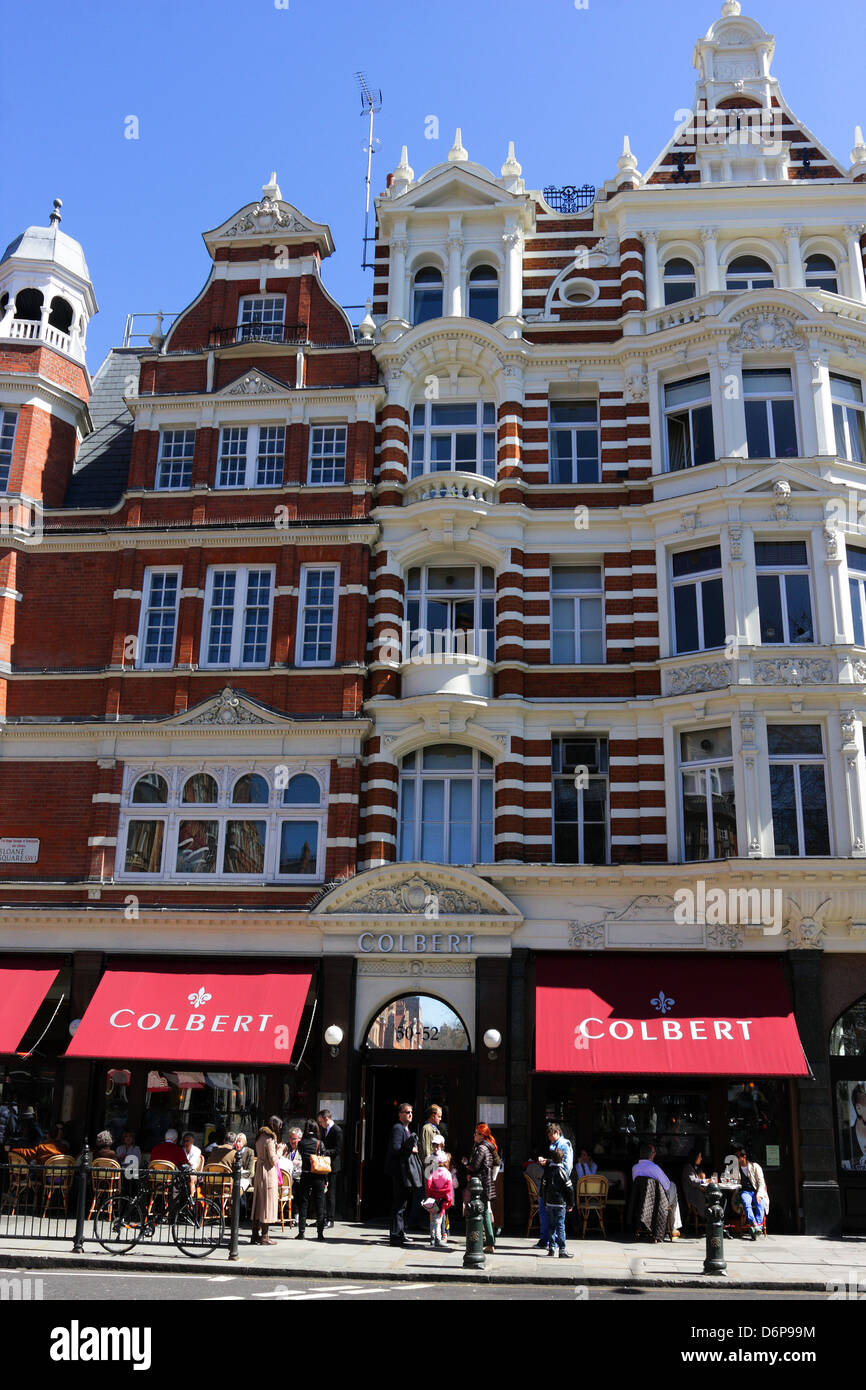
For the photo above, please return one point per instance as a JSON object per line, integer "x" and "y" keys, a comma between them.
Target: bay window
{"x": 449, "y": 436}
{"x": 446, "y": 805}
{"x": 689, "y": 423}
{"x": 450, "y": 610}
{"x": 709, "y": 820}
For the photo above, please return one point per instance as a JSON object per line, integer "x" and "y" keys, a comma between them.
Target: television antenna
{"x": 371, "y": 104}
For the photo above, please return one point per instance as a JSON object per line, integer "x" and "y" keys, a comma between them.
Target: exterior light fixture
{"x": 492, "y": 1041}
{"x": 333, "y": 1037}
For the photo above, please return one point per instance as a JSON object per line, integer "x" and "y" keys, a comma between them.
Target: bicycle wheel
{"x": 198, "y": 1228}
{"x": 119, "y": 1223}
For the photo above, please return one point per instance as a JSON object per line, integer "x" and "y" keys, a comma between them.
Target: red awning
{"x": 208, "y": 1015}
{"x": 657, "y": 1015}
{"x": 21, "y": 992}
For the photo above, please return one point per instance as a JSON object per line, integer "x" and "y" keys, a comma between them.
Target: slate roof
{"x": 101, "y": 469}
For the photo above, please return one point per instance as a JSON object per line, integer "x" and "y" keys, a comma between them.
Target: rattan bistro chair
{"x": 216, "y": 1182}
{"x": 159, "y": 1181}
{"x": 284, "y": 1199}
{"x": 22, "y": 1187}
{"x": 592, "y": 1199}
{"x": 532, "y": 1193}
{"x": 105, "y": 1179}
{"x": 57, "y": 1181}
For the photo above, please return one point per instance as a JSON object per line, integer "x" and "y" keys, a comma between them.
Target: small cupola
{"x": 46, "y": 294}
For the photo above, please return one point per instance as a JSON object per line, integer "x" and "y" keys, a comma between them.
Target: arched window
{"x": 484, "y": 294}
{"x": 149, "y": 789}
{"x": 302, "y": 790}
{"x": 418, "y": 1022}
{"x": 679, "y": 280}
{"x": 28, "y": 304}
{"x": 61, "y": 314}
{"x": 446, "y": 805}
{"x": 450, "y": 610}
{"x": 749, "y": 273}
{"x": 251, "y": 790}
{"x": 427, "y": 294}
{"x": 201, "y": 788}
{"x": 821, "y": 274}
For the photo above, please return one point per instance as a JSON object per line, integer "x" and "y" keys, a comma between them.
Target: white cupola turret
{"x": 733, "y": 59}
{"x": 46, "y": 294}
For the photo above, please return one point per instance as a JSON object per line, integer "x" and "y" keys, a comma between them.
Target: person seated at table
{"x": 584, "y": 1167}
{"x": 169, "y": 1151}
{"x": 646, "y": 1168}
{"x": 694, "y": 1182}
{"x": 36, "y": 1153}
{"x": 192, "y": 1151}
{"x": 753, "y": 1192}
{"x": 128, "y": 1149}
{"x": 217, "y": 1138}
{"x": 104, "y": 1147}
{"x": 291, "y": 1158}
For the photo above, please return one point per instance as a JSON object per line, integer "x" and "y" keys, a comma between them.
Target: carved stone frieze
{"x": 794, "y": 671}
{"x": 389, "y": 966}
{"x": 707, "y": 675}
{"x": 766, "y": 330}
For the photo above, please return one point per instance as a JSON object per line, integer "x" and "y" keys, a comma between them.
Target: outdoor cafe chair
{"x": 57, "y": 1181}
{"x": 532, "y": 1193}
{"x": 105, "y": 1176}
{"x": 22, "y": 1188}
{"x": 592, "y": 1199}
{"x": 216, "y": 1182}
{"x": 159, "y": 1181}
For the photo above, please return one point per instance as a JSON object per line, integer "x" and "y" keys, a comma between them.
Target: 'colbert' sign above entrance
{"x": 416, "y": 943}
{"x": 211, "y": 1016}
{"x": 665, "y": 1015}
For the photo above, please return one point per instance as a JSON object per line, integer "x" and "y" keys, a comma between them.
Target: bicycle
{"x": 197, "y": 1221}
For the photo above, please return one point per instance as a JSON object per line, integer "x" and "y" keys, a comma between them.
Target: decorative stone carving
{"x": 794, "y": 671}
{"x": 586, "y": 936}
{"x": 766, "y": 330}
{"x": 229, "y": 709}
{"x": 707, "y": 675}
{"x": 848, "y": 724}
{"x": 254, "y": 385}
{"x": 804, "y": 926}
{"x": 725, "y": 935}
{"x": 859, "y": 670}
{"x": 267, "y": 216}
{"x": 414, "y": 897}
{"x": 735, "y": 534}
{"x": 636, "y": 384}
{"x": 390, "y": 966}
{"x": 747, "y": 729}
{"x": 737, "y": 38}
{"x": 831, "y": 540}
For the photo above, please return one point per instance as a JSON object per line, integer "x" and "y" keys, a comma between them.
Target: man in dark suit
{"x": 332, "y": 1141}
{"x": 403, "y": 1144}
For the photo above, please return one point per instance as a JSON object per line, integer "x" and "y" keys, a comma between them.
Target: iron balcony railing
{"x": 570, "y": 198}
{"x": 297, "y": 333}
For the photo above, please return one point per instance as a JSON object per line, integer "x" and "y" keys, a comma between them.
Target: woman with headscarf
{"x": 484, "y": 1164}
{"x": 266, "y": 1182}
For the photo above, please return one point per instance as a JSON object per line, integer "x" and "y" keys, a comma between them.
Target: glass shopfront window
{"x": 185, "y": 1100}
{"x": 756, "y": 1119}
{"x": 28, "y": 1079}
{"x": 848, "y": 1069}
{"x": 675, "y": 1122}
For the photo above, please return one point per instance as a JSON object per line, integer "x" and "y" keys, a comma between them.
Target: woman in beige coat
{"x": 266, "y": 1182}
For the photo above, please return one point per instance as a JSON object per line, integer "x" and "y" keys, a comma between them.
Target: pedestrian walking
{"x": 403, "y": 1167}
{"x": 313, "y": 1179}
{"x": 265, "y": 1182}
{"x": 484, "y": 1164}
{"x": 440, "y": 1193}
{"x": 332, "y": 1141}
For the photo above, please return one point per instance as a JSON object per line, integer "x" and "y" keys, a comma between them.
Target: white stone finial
{"x": 272, "y": 189}
{"x": 403, "y": 175}
{"x": 731, "y": 9}
{"x": 367, "y": 326}
{"x": 858, "y": 154}
{"x": 511, "y": 169}
{"x": 55, "y": 218}
{"x": 627, "y": 170}
{"x": 457, "y": 154}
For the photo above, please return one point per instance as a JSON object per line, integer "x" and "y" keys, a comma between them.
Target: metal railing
{"x": 120, "y": 1208}
{"x": 570, "y": 198}
{"x": 297, "y": 333}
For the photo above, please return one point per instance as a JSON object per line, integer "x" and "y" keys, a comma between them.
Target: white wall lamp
{"x": 492, "y": 1041}
{"x": 334, "y": 1037}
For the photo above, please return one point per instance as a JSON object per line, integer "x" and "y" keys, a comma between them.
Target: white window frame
{"x": 424, "y": 288}
{"x": 272, "y": 301}
{"x": 678, "y": 277}
{"x": 253, "y": 443}
{"x": 857, "y": 589}
{"x": 187, "y": 430}
{"x": 428, "y": 432}
{"x": 493, "y": 279}
{"x": 767, "y": 398}
{"x": 708, "y": 766}
{"x": 427, "y": 641}
{"x": 306, "y": 571}
{"x": 336, "y": 428}
{"x": 688, "y": 408}
{"x": 476, "y": 775}
{"x": 751, "y": 280}
{"x": 600, "y": 777}
{"x": 578, "y": 627}
{"x": 172, "y": 812}
{"x": 821, "y": 275}
{"x": 781, "y": 572}
{"x": 8, "y": 431}
{"x": 573, "y": 430}
{"x": 796, "y": 761}
{"x": 161, "y": 571}
{"x": 698, "y": 578}
{"x": 842, "y": 408}
{"x": 242, "y": 577}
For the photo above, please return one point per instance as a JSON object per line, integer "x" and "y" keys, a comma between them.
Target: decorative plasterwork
{"x": 794, "y": 671}
{"x": 586, "y": 936}
{"x": 427, "y": 968}
{"x": 726, "y": 936}
{"x": 229, "y": 708}
{"x": 267, "y": 216}
{"x": 715, "y": 675}
{"x": 421, "y": 891}
{"x": 254, "y": 384}
{"x": 805, "y": 925}
{"x": 766, "y": 330}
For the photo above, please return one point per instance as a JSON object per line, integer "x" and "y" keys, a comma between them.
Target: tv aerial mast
{"x": 371, "y": 104}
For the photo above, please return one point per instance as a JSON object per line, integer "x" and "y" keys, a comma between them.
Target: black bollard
{"x": 714, "y": 1263}
{"x": 474, "y": 1255}
{"x": 234, "y": 1228}
{"x": 83, "y": 1175}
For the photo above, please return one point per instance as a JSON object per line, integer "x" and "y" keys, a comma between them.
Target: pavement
{"x": 357, "y": 1252}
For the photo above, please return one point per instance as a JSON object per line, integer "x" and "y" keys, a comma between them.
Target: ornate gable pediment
{"x": 254, "y": 383}
{"x": 229, "y": 709}
{"x": 422, "y": 891}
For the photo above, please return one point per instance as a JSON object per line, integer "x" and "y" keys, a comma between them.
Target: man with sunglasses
{"x": 403, "y": 1166}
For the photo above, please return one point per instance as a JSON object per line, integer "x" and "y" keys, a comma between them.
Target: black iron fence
{"x": 570, "y": 198}
{"x": 121, "y": 1207}
{"x": 259, "y": 333}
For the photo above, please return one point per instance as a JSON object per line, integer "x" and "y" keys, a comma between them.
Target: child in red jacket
{"x": 440, "y": 1193}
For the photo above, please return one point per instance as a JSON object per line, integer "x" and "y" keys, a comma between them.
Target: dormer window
{"x": 679, "y": 280}
{"x": 821, "y": 274}
{"x": 427, "y": 294}
{"x": 749, "y": 273}
{"x": 262, "y": 318}
{"x": 484, "y": 294}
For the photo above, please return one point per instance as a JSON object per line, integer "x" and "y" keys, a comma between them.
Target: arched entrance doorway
{"x": 416, "y": 1049}
{"x": 848, "y": 1079}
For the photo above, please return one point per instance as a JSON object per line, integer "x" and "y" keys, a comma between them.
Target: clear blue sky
{"x": 226, "y": 90}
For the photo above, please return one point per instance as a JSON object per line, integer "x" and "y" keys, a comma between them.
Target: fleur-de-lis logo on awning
{"x": 662, "y": 1002}
{"x": 199, "y": 998}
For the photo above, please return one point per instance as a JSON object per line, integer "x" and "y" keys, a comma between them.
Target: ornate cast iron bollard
{"x": 234, "y": 1228}
{"x": 474, "y": 1254}
{"x": 84, "y": 1166}
{"x": 714, "y": 1263}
